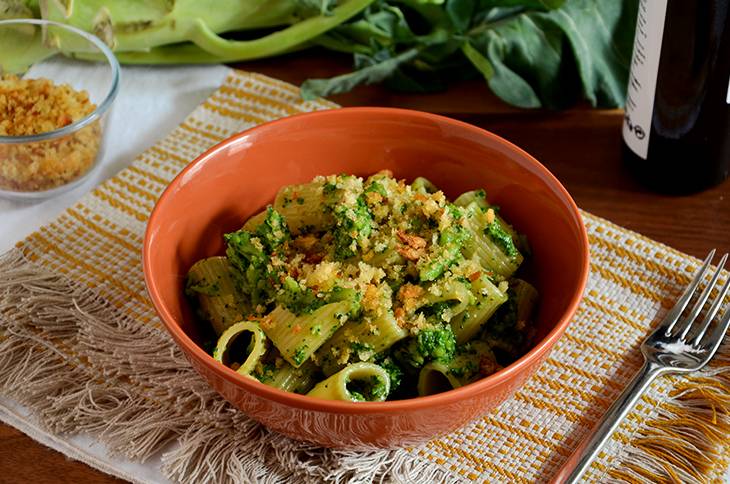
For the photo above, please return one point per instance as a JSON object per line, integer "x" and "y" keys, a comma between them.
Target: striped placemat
{"x": 81, "y": 346}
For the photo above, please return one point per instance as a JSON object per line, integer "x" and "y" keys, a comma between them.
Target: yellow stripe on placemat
{"x": 633, "y": 279}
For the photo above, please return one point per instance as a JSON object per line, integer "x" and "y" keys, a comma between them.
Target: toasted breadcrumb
{"x": 409, "y": 294}
{"x": 267, "y": 322}
{"x": 411, "y": 240}
{"x": 370, "y": 300}
{"x": 34, "y": 106}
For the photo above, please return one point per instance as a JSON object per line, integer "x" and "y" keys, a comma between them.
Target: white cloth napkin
{"x": 151, "y": 102}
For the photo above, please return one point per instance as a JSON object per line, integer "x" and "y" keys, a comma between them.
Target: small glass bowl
{"x": 44, "y": 165}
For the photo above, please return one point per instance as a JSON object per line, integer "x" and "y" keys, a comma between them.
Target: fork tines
{"x": 678, "y": 327}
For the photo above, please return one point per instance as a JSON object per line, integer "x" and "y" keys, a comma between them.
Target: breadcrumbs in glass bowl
{"x": 36, "y": 106}
{"x": 52, "y": 108}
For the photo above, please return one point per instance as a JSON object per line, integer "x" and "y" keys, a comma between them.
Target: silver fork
{"x": 678, "y": 345}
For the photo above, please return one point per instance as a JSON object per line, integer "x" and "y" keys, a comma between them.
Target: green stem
{"x": 276, "y": 42}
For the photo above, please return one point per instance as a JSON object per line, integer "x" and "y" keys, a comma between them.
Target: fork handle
{"x": 581, "y": 458}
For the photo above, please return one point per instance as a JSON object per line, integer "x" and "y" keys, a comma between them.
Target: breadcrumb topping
{"x": 35, "y": 106}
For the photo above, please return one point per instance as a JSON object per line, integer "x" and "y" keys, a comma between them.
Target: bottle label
{"x": 642, "y": 80}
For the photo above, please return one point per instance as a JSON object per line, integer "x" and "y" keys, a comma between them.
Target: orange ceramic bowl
{"x": 238, "y": 177}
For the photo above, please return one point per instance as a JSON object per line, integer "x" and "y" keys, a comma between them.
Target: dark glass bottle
{"x": 676, "y": 131}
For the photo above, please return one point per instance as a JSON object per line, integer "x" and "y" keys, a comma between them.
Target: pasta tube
{"x": 298, "y": 337}
{"x": 508, "y": 331}
{"x": 488, "y": 298}
{"x": 359, "y": 382}
{"x": 479, "y": 197}
{"x": 423, "y": 185}
{"x": 472, "y": 361}
{"x": 303, "y": 207}
{"x": 385, "y": 259}
{"x": 211, "y": 282}
{"x": 490, "y": 243}
{"x": 241, "y": 347}
{"x": 359, "y": 341}
{"x": 526, "y": 296}
{"x": 280, "y": 374}
{"x": 444, "y": 300}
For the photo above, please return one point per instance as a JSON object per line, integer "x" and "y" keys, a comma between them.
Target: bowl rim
{"x": 96, "y": 113}
{"x": 534, "y": 355}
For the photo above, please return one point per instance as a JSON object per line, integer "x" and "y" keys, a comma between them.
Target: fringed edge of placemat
{"x": 135, "y": 407}
{"x": 688, "y": 439}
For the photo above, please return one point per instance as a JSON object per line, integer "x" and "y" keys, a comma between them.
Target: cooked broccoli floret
{"x": 435, "y": 312}
{"x": 337, "y": 294}
{"x": 246, "y": 254}
{"x": 437, "y": 344}
{"x": 363, "y": 391}
{"x": 353, "y": 224}
{"x": 250, "y": 255}
{"x": 499, "y": 236}
{"x": 443, "y": 255}
{"x": 429, "y": 344}
{"x": 376, "y": 187}
{"x": 273, "y": 232}
{"x": 394, "y": 371}
{"x": 379, "y": 389}
{"x": 298, "y": 299}
{"x": 302, "y": 300}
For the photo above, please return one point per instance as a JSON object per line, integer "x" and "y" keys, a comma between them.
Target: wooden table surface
{"x": 580, "y": 146}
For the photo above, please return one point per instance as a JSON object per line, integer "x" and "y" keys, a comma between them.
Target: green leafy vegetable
{"x": 250, "y": 255}
{"x": 298, "y": 299}
{"x": 443, "y": 255}
{"x": 273, "y": 232}
{"x": 394, "y": 371}
{"x": 353, "y": 224}
{"x": 374, "y": 69}
{"x": 252, "y": 265}
{"x": 531, "y": 53}
{"x": 502, "y": 238}
{"x": 436, "y": 343}
{"x": 302, "y": 300}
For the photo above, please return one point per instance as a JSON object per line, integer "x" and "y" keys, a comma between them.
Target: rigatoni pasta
{"x": 359, "y": 382}
{"x": 297, "y": 337}
{"x": 472, "y": 361}
{"x": 241, "y": 347}
{"x": 359, "y": 341}
{"x": 276, "y": 372}
{"x": 367, "y": 289}
{"x": 211, "y": 282}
